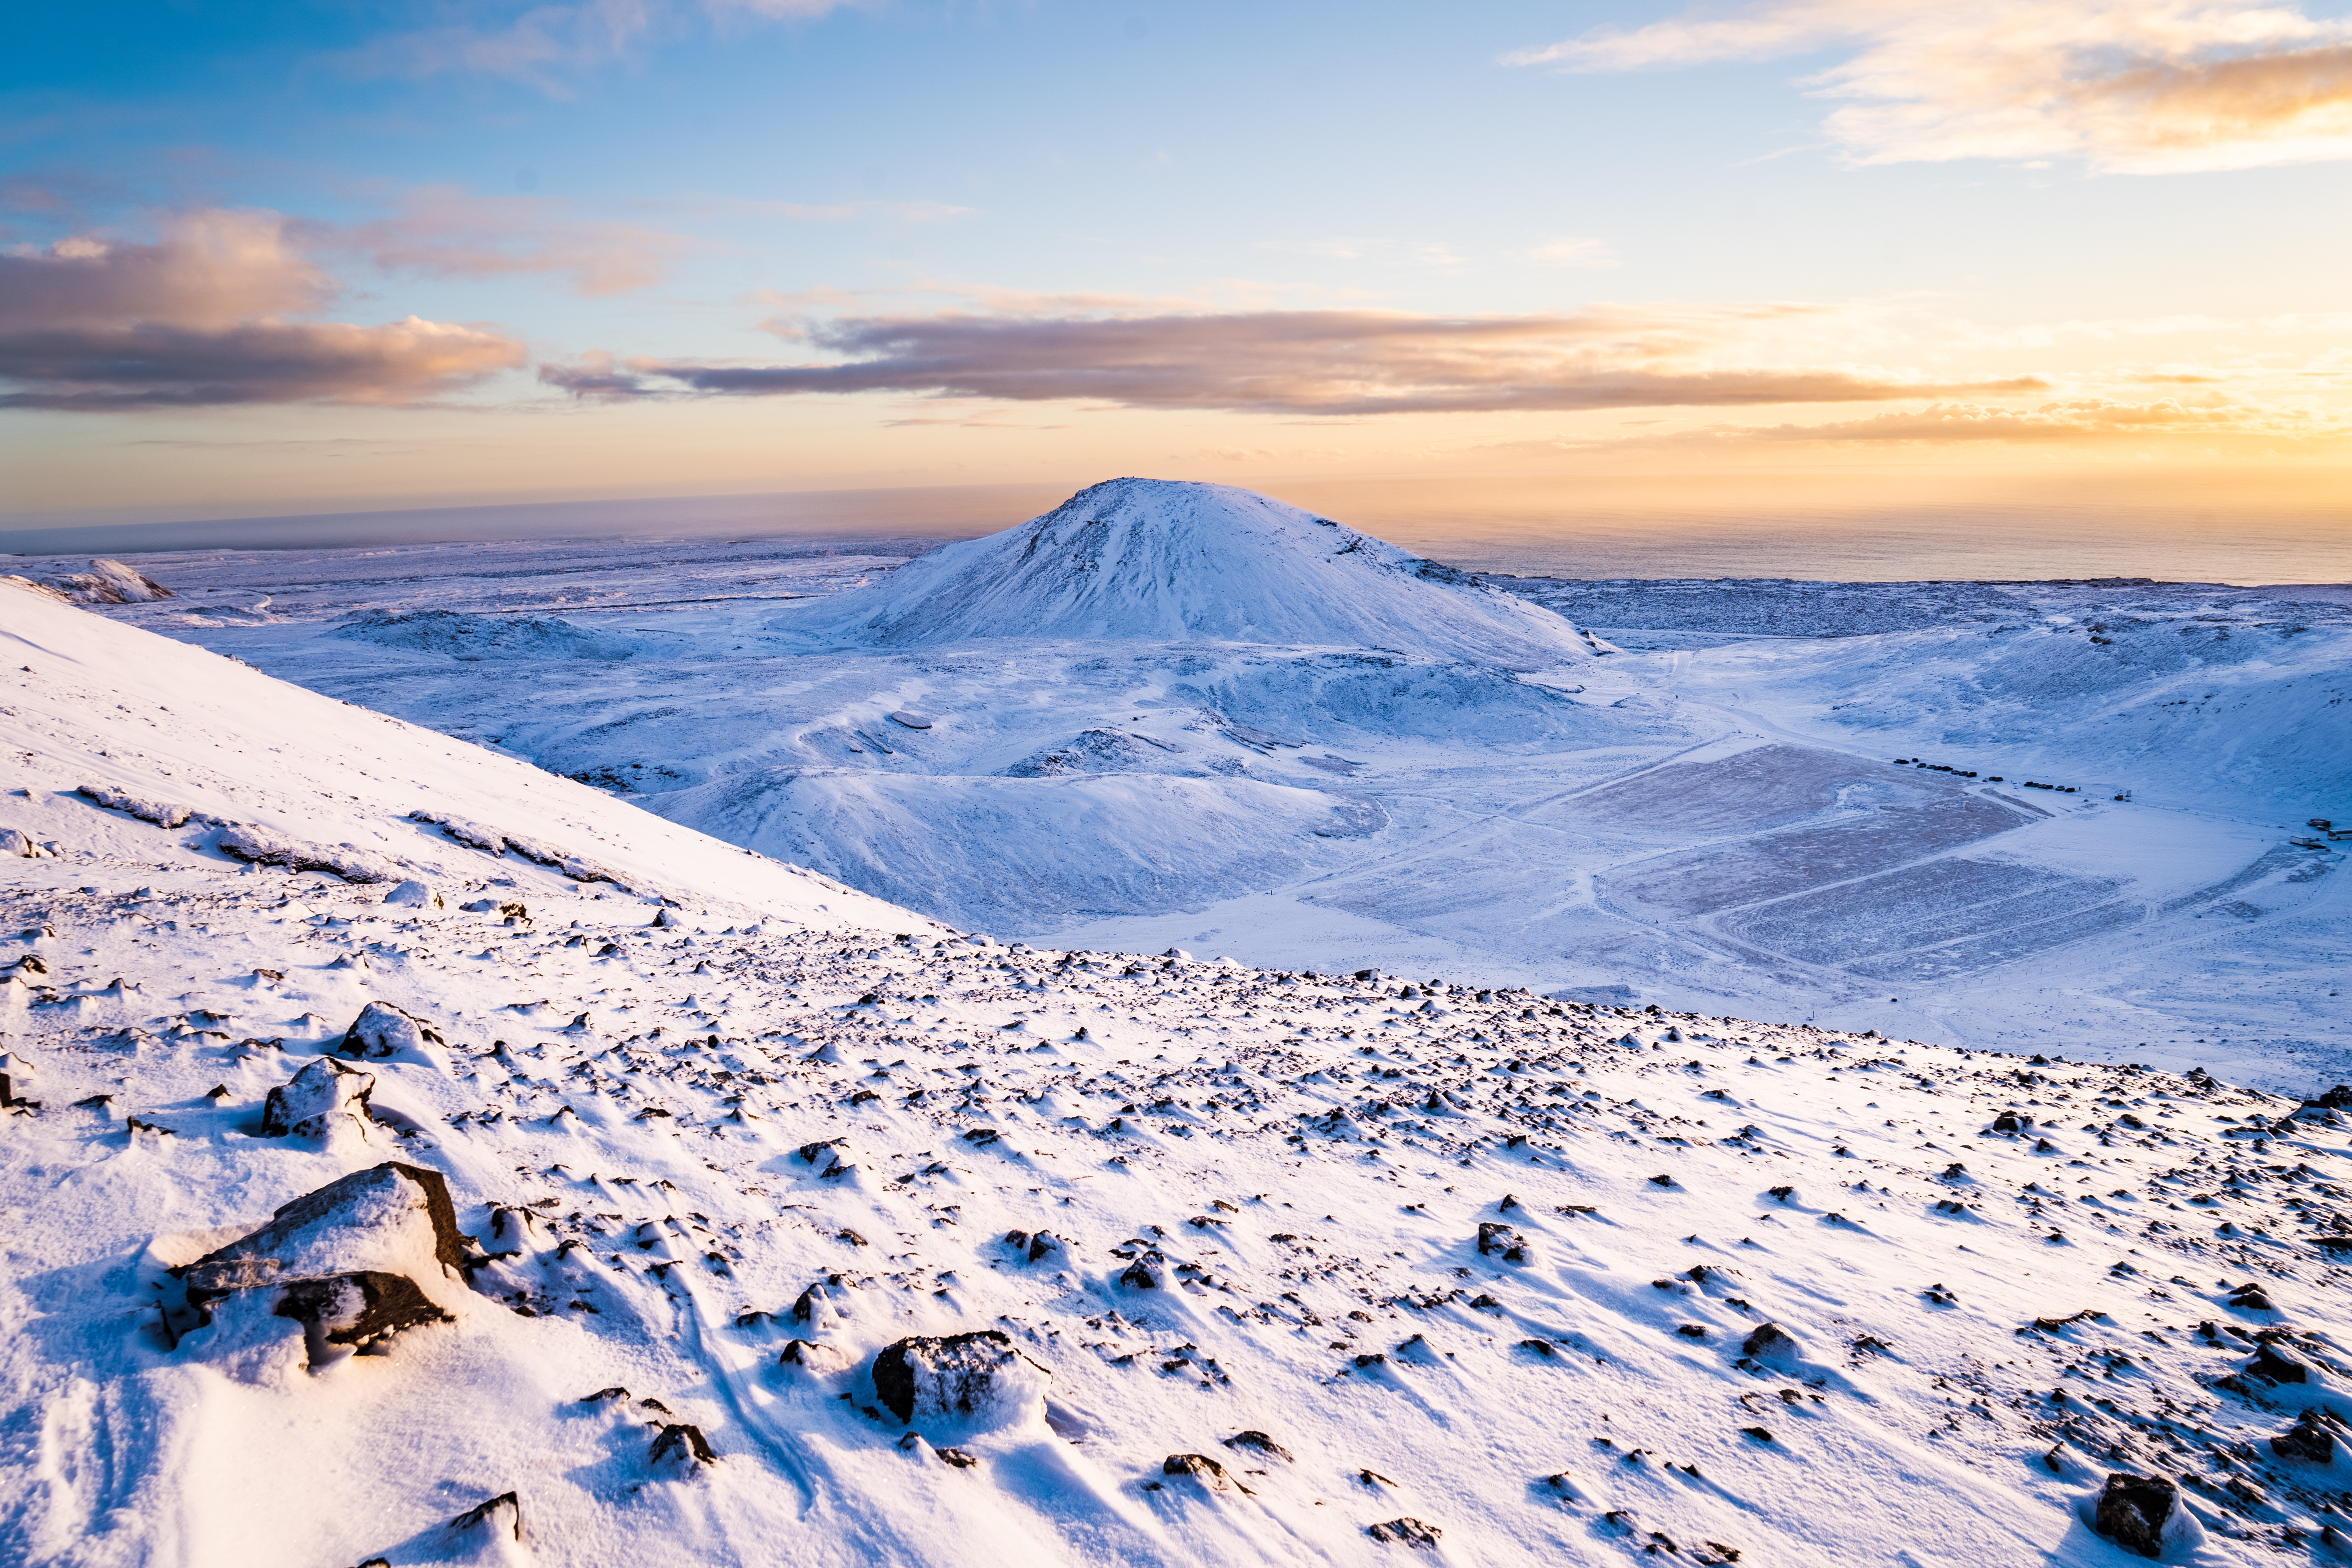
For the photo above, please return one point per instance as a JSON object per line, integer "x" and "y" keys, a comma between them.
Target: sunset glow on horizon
{"x": 1880, "y": 261}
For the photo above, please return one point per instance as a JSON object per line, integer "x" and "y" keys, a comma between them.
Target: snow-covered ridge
{"x": 105, "y": 722}
{"x": 1162, "y": 561}
{"x": 695, "y": 1235}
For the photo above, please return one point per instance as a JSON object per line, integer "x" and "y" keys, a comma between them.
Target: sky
{"x": 295, "y": 257}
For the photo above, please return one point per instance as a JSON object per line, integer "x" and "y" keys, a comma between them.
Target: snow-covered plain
{"x": 1176, "y": 714}
{"x": 1288, "y": 1265}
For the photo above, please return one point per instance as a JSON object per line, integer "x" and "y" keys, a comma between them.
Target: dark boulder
{"x": 384, "y": 1030}
{"x": 811, "y": 1357}
{"x": 1201, "y": 1468}
{"x": 1767, "y": 1339}
{"x": 1258, "y": 1442}
{"x": 500, "y": 1519}
{"x": 392, "y": 1218}
{"x": 2012, "y": 1121}
{"x": 354, "y": 1262}
{"x": 1410, "y": 1531}
{"x": 2269, "y": 1364}
{"x": 2307, "y": 1440}
{"x": 2132, "y": 1510}
{"x": 324, "y": 1097}
{"x": 1494, "y": 1238}
{"x": 356, "y": 1309}
{"x": 978, "y": 1377}
{"x": 682, "y": 1446}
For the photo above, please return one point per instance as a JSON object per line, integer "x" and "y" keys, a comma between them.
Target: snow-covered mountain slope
{"x": 1719, "y": 825}
{"x": 1164, "y": 561}
{"x": 710, "y": 1235}
{"x": 116, "y": 736}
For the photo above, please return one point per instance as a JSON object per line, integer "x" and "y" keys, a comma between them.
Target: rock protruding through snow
{"x": 978, "y": 1378}
{"x": 323, "y": 1098}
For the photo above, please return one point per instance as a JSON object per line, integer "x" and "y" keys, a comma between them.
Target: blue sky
{"x": 314, "y": 256}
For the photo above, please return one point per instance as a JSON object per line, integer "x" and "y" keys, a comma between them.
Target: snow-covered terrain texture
{"x": 2065, "y": 815}
{"x": 559, "y": 1229}
{"x": 116, "y": 739}
{"x": 1160, "y": 561}
{"x": 1729, "y": 608}
{"x": 105, "y": 583}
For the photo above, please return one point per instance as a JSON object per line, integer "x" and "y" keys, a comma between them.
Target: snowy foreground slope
{"x": 1288, "y": 1267}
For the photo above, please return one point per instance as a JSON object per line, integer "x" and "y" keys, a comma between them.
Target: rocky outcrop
{"x": 977, "y": 1377}
{"x": 2132, "y": 1510}
{"x": 323, "y": 1098}
{"x": 384, "y": 1030}
{"x": 681, "y": 1447}
{"x": 162, "y": 812}
{"x": 354, "y": 1262}
{"x": 1405, "y": 1532}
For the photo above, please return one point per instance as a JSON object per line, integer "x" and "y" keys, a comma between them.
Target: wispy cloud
{"x": 440, "y": 231}
{"x": 549, "y": 47}
{"x": 1309, "y": 362}
{"x": 2076, "y": 419}
{"x": 1574, "y": 253}
{"x": 2134, "y": 86}
{"x": 856, "y": 212}
{"x": 200, "y": 317}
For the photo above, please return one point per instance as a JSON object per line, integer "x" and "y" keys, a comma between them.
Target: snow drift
{"x": 1158, "y": 560}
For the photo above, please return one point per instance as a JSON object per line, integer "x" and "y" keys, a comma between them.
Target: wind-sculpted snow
{"x": 2252, "y": 708}
{"x": 1153, "y": 560}
{"x": 1036, "y": 850}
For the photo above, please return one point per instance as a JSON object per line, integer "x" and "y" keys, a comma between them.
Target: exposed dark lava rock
{"x": 500, "y": 1518}
{"x": 392, "y": 1213}
{"x": 1257, "y": 1442}
{"x": 356, "y": 1309}
{"x": 2133, "y": 1510}
{"x": 384, "y": 1030}
{"x": 2307, "y": 1440}
{"x": 1411, "y": 1531}
{"x": 305, "y": 1105}
{"x": 2269, "y": 1364}
{"x": 1201, "y": 1468}
{"x": 680, "y": 1444}
{"x": 977, "y": 1375}
{"x": 1494, "y": 1238}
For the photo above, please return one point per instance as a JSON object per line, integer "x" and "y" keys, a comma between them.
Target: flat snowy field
{"x": 1265, "y": 1263}
{"x": 1251, "y": 738}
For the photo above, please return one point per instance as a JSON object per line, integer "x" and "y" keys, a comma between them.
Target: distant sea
{"x": 1877, "y": 526}
{"x": 1840, "y": 528}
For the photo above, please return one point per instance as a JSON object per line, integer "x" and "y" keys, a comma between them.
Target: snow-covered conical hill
{"x": 344, "y": 1227}
{"x": 239, "y": 763}
{"x": 1157, "y": 560}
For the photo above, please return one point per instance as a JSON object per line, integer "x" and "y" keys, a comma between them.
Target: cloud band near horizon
{"x": 1315, "y": 363}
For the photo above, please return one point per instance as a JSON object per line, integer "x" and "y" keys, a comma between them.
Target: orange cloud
{"x": 2076, "y": 419}
{"x": 199, "y": 318}
{"x": 2136, "y": 86}
{"x": 1304, "y": 361}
